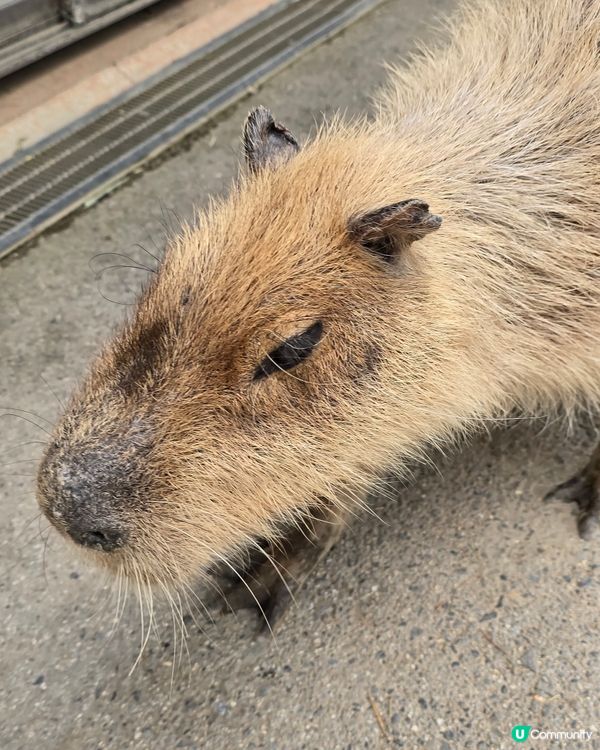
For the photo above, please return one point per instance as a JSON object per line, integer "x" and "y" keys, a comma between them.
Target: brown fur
{"x": 497, "y": 310}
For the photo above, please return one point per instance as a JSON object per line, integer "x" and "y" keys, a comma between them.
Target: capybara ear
{"x": 386, "y": 231}
{"x": 266, "y": 143}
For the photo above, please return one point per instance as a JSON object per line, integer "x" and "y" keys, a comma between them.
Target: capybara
{"x": 383, "y": 289}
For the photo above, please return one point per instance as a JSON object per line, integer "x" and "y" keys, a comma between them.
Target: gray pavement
{"x": 467, "y": 608}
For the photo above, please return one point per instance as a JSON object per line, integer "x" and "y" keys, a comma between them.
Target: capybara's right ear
{"x": 266, "y": 143}
{"x": 387, "y": 230}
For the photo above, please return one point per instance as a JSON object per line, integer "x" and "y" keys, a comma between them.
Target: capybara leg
{"x": 280, "y": 569}
{"x": 583, "y": 489}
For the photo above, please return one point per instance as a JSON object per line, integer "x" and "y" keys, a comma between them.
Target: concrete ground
{"x": 467, "y": 608}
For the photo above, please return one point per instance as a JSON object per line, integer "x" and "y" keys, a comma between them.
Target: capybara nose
{"x": 101, "y": 537}
{"x": 86, "y": 494}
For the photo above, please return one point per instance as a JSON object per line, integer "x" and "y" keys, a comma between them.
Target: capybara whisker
{"x": 154, "y": 257}
{"x": 47, "y": 384}
{"x": 10, "y": 411}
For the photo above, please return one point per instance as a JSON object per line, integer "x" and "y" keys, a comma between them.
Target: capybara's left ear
{"x": 266, "y": 143}
{"x": 386, "y": 231}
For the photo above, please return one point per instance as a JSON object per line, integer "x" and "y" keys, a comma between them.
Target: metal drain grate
{"x": 48, "y": 181}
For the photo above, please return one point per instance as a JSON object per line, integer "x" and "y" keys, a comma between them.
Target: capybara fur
{"x": 390, "y": 286}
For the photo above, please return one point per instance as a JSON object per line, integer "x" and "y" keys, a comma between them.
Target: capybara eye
{"x": 289, "y": 354}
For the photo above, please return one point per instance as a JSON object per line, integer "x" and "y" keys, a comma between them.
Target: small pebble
{"x": 528, "y": 660}
{"x": 221, "y": 708}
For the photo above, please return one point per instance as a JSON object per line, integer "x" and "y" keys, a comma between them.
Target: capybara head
{"x": 247, "y": 382}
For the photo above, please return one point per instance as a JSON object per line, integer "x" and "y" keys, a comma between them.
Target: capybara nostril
{"x": 106, "y": 539}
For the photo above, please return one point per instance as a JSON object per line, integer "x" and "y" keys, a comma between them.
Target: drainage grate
{"x": 46, "y": 182}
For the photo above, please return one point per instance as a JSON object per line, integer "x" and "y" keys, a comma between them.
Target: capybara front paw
{"x": 275, "y": 572}
{"x": 583, "y": 489}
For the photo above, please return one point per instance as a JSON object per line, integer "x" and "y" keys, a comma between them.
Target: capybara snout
{"x": 93, "y": 487}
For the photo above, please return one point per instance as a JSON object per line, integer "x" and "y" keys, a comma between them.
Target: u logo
{"x": 520, "y": 733}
